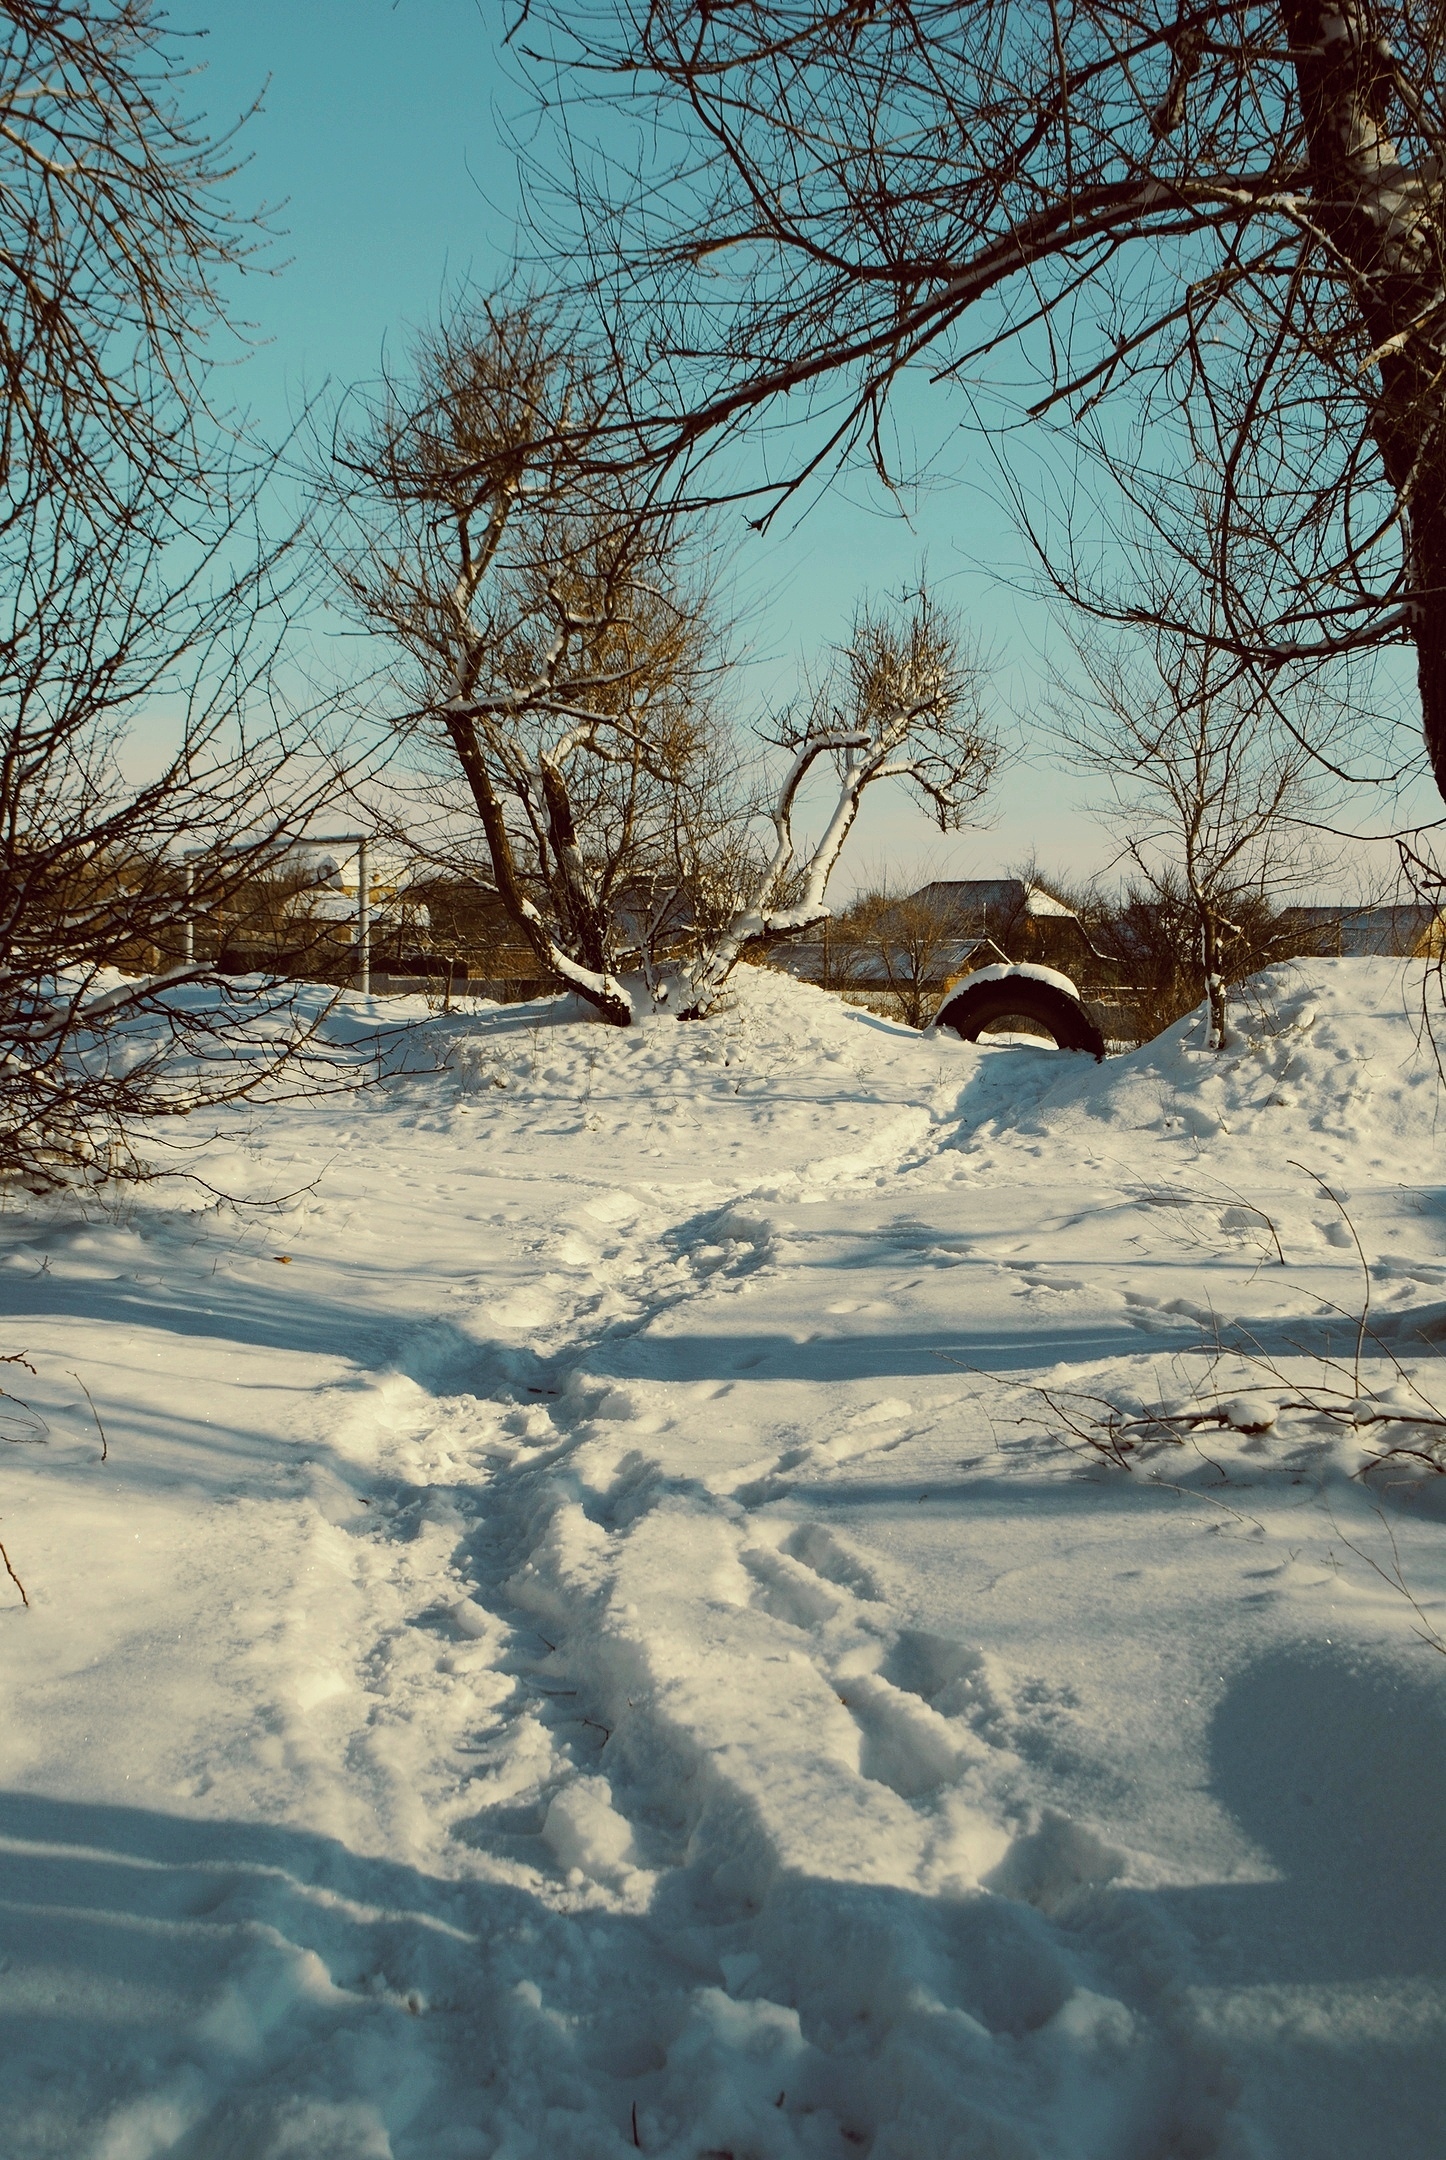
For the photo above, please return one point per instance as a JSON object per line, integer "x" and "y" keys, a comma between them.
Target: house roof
{"x": 1000, "y": 898}
{"x": 1367, "y": 932}
{"x": 335, "y": 867}
{"x": 341, "y": 907}
{"x": 809, "y": 960}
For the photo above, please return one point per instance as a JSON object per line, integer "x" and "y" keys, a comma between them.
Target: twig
{"x": 85, "y": 1391}
{"x": 1092, "y": 1435}
{"x": 1394, "y": 1579}
{"x": 1181, "y": 1196}
{"x": 14, "y": 1578}
{"x": 40, "y": 1433}
{"x": 1192, "y": 1492}
{"x": 271, "y": 1206}
{"x": 1360, "y": 1255}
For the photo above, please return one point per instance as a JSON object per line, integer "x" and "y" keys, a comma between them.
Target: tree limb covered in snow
{"x": 905, "y": 704}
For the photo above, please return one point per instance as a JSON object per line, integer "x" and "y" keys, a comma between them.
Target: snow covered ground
{"x": 588, "y": 1638}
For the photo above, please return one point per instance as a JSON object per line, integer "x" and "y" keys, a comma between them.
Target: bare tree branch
{"x": 1205, "y": 240}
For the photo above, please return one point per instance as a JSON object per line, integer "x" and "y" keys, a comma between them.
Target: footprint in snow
{"x": 822, "y": 1551}
{"x": 789, "y": 1591}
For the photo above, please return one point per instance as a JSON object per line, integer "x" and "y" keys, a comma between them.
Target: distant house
{"x": 975, "y": 922}
{"x": 295, "y": 910}
{"x": 1362, "y": 933}
{"x": 472, "y": 938}
{"x": 328, "y": 880}
{"x": 835, "y": 961}
{"x": 1023, "y": 919}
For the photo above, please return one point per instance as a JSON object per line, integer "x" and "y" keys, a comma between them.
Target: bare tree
{"x": 1212, "y": 797}
{"x": 558, "y": 652}
{"x": 1150, "y": 937}
{"x": 116, "y": 240}
{"x": 175, "y": 609}
{"x": 905, "y": 703}
{"x": 904, "y": 941}
{"x": 1204, "y": 237}
{"x": 137, "y": 588}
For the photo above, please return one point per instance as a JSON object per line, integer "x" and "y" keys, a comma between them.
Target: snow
{"x": 1038, "y": 902}
{"x": 596, "y": 1633}
{"x": 1011, "y": 971}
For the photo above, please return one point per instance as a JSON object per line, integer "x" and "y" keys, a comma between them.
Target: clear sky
{"x": 382, "y": 139}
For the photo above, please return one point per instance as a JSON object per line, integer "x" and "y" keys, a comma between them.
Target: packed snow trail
{"x": 581, "y": 1645}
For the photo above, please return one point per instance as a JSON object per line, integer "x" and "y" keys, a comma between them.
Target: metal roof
{"x": 1000, "y": 898}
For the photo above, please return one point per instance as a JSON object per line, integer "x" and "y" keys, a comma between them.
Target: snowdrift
{"x": 594, "y": 1633}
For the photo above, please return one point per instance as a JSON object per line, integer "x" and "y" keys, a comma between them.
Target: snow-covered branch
{"x": 904, "y": 704}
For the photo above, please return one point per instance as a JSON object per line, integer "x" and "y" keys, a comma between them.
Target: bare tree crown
{"x": 1213, "y": 790}
{"x": 137, "y": 582}
{"x": 906, "y": 701}
{"x": 1207, "y": 239}
{"x": 116, "y": 239}
{"x": 557, "y": 643}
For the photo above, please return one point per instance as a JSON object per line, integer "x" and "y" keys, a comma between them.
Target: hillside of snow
{"x": 606, "y": 1623}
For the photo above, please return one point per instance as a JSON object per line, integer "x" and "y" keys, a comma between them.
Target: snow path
{"x": 579, "y": 1659}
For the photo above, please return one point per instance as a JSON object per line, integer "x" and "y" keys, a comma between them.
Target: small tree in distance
{"x": 1150, "y": 937}
{"x": 1214, "y": 792}
{"x": 902, "y": 939}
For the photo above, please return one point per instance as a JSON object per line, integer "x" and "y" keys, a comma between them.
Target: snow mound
{"x": 1326, "y": 1056}
{"x": 765, "y": 1019}
{"x": 778, "y": 1058}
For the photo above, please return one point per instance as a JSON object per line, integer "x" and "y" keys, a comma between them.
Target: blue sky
{"x": 382, "y": 139}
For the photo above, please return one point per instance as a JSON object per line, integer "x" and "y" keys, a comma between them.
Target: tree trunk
{"x": 1217, "y": 1001}
{"x": 597, "y": 986}
{"x": 586, "y": 919}
{"x": 1428, "y": 570}
{"x": 1387, "y": 224}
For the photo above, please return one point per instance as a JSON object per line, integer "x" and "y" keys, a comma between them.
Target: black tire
{"x": 1021, "y": 997}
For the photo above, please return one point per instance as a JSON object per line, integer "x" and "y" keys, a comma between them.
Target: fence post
{"x": 363, "y": 919}
{"x": 190, "y": 927}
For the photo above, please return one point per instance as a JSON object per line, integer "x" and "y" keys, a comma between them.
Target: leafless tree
{"x": 1214, "y": 799}
{"x": 903, "y": 942}
{"x": 1196, "y": 238}
{"x": 174, "y": 611}
{"x": 116, "y": 241}
{"x": 1149, "y": 937}
{"x": 906, "y": 702}
{"x": 558, "y": 654}
{"x": 140, "y": 603}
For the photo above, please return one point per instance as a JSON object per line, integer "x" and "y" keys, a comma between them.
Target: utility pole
{"x": 362, "y": 943}
{"x": 363, "y": 919}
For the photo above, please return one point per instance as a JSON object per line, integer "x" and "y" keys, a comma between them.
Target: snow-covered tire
{"x": 1022, "y": 993}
